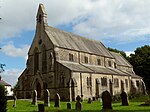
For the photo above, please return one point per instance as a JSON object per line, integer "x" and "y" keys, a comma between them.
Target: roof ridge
{"x": 91, "y": 39}
{"x": 64, "y": 39}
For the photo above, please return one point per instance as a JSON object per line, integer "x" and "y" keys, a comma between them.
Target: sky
{"x": 119, "y": 24}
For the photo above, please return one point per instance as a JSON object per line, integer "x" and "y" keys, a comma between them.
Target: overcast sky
{"x": 120, "y": 24}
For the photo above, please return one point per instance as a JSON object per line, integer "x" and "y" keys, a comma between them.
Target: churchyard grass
{"x": 26, "y": 106}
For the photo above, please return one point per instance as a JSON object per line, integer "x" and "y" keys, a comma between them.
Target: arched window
{"x": 109, "y": 63}
{"x": 89, "y": 81}
{"x": 44, "y": 59}
{"x": 85, "y": 59}
{"x": 98, "y": 61}
{"x": 126, "y": 82}
{"x": 116, "y": 82}
{"x": 104, "y": 81}
{"x": 71, "y": 57}
{"x": 62, "y": 79}
{"x": 36, "y": 60}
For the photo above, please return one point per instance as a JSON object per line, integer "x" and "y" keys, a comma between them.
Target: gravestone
{"x": 106, "y": 100}
{"x": 34, "y": 97}
{"x": 41, "y": 108}
{"x": 94, "y": 99}
{"x": 69, "y": 106}
{"x": 89, "y": 100}
{"x": 78, "y": 104}
{"x": 15, "y": 98}
{"x": 124, "y": 98}
{"x": 57, "y": 100}
{"x": 81, "y": 98}
{"x": 46, "y": 97}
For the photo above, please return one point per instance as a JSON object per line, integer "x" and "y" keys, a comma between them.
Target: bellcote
{"x": 41, "y": 17}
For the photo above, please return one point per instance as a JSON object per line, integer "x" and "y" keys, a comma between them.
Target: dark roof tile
{"x": 75, "y": 42}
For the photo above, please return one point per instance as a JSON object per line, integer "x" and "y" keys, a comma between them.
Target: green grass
{"x": 134, "y": 105}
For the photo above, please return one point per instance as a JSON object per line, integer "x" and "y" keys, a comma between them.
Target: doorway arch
{"x": 38, "y": 88}
{"x": 122, "y": 86}
{"x": 73, "y": 85}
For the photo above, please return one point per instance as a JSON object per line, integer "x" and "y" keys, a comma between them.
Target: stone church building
{"x": 72, "y": 65}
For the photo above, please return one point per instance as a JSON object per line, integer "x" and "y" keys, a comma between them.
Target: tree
{"x": 2, "y": 66}
{"x": 3, "y": 99}
{"x": 141, "y": 63}
{"x": 117, "y": 51}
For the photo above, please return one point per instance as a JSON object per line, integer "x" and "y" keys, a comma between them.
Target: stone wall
{"x": 79, "y": 57}
{"x": 117, "y": 90}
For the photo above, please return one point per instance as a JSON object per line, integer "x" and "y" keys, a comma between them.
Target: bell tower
{"x": 41, "y": 22}
{"x": 41, "y": 17}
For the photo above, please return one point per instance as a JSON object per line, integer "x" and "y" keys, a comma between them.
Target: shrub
{"x": 3, "y": 99}
{"x": 116, "y": 98}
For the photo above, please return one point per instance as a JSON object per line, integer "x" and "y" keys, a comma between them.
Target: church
{"x": 71, "y": 65}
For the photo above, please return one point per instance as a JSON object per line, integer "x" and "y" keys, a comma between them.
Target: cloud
{"x": 129, "y": 52}
{"x": 121, "y": 21}
{"x": 11, "y": 75}
{"x": 11, "y": 50}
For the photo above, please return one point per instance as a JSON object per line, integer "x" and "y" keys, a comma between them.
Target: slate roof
{"x": 72, "y": 41}
{"x": 86, "y": 68}
{"x": 120, "y": 60}
{"x": 75, "y": 66}
{"x": 100, "y": 69}
{"x": 133, "y": 75}
{"x": 119, "y": 72}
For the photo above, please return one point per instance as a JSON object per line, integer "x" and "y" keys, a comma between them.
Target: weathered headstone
{"x": 34, "y": 97}
{"x": 124, "y": 98}
{"x": 106, "y": 100}
{"x": 57, "y": 100}
{"x": 94, "y": 99}
{"x": 15, "y": 98}
{"x": 46, "y": 97}
{"x": 69, "y": 106}
{"x": 81, "y": 98}
{"x": 78, "y": 104}
{"x": 41, "y": 108}
{"x": 89, "y": 100}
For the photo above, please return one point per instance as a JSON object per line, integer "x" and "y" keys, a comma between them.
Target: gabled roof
{"x": 120, "y": 60}
{"x": 75, "y": 42}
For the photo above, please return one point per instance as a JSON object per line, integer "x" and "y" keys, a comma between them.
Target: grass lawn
{"x": 26, "y": 106}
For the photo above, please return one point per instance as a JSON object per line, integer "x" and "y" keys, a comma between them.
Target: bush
{"x": 116, "y": 98}
{"x": 3, "y": 99}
